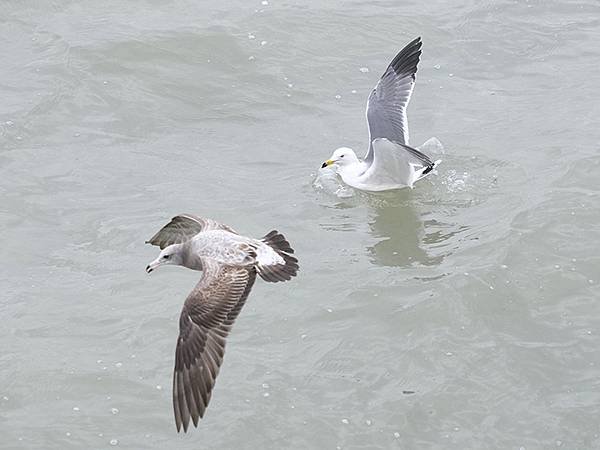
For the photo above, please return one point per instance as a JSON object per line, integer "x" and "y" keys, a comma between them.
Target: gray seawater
{"x": 463, "y": 314}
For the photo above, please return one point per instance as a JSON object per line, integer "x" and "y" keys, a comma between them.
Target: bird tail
{"x": 279, "y": 264}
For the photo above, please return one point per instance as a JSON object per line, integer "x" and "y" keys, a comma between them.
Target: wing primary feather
{"x": 183, "y": 227}
{"x": 387, "y": 103}
{"x": 205, "y": 322}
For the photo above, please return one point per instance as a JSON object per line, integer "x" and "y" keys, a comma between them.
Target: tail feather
{"x": 278, "y": 272}
{"x": 278, "y": 242}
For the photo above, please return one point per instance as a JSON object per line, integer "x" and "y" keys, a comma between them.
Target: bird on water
{"x": 390, "y": 163}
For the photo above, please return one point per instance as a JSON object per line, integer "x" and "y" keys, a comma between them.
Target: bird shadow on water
{"x": 403, "y": 236}
{"x": 406, "y": 233}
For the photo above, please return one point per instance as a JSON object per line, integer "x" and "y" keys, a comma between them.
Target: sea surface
{"x": 462, "y": 314}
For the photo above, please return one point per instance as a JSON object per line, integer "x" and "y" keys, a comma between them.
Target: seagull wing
{"x": 386, "y": 107}
{"x": 206, "y": 319}
{"x": 394, "y": 166}
{"x": 182, "y": 228}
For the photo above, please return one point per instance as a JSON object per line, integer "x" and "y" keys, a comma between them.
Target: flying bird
{"x": 390, "y": 163}
{"x": 230, "y": 263}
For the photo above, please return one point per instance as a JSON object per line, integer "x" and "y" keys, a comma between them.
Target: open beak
{"x": 327, "y": 163}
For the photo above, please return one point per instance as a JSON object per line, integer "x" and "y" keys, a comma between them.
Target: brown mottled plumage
{"x": 230, "y": 263}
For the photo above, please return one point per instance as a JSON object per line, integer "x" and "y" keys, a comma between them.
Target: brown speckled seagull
{"x": 230, "y": 263}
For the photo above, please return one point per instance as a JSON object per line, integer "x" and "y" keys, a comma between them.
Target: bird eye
{"x": 166, "y": 256}
{"x": 341, "y": 156}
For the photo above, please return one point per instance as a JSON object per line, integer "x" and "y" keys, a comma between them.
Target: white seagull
{"x": 390, "y": 163}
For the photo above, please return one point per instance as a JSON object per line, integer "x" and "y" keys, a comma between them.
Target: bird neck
{"x": 352, "y": 170}
{"x": 190, "y": 259}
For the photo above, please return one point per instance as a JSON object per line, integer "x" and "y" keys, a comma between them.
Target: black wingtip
{"x": 429, "y": 169}
{"x": 407, "y": 59}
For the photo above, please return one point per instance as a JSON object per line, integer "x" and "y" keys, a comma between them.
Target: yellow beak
{"x": 327, "y": 163}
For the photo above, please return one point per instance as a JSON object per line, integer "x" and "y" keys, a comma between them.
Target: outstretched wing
{"x": 386, "y": 107}
{"x": 182, "y": 228}
{"x": 206, "y": 319}
{"x": 395, "y": 165}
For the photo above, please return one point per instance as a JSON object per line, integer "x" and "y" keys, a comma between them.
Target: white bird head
{"x": 169, "y": 255}
{"x": 341, "y": 157}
